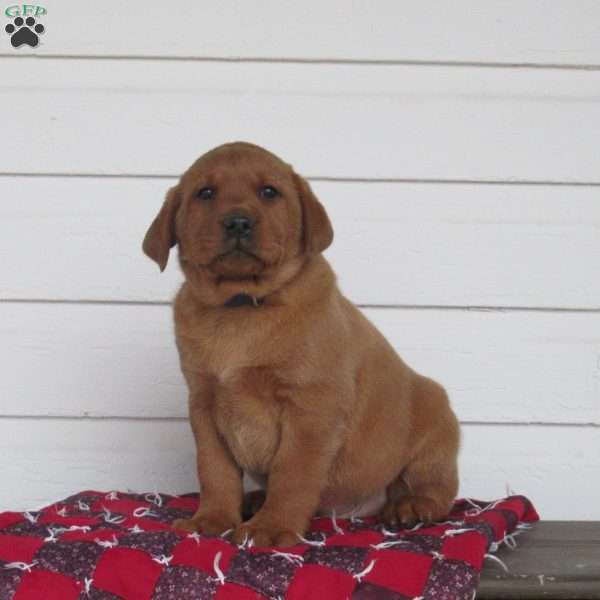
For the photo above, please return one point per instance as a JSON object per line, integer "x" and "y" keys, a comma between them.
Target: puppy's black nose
{"x": 237, "y": 226}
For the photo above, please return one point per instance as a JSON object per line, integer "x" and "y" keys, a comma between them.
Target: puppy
{"x": 288, "y": 381}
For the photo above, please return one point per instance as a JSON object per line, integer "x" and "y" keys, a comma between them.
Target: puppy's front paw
{"x": 264, "y": 533}
{"x": 407, "y": 511}
{"x": 210, "y": 524}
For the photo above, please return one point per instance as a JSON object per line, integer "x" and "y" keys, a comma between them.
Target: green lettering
{"x": 12, "y": 11}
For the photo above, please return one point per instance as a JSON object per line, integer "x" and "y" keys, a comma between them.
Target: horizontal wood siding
{"x": 120, "y": 360}
{"x": 455, "y": 146}
{"x": 343, "y": 121}
{"x": 508, "y": 32}
{"x": 432, "y": 244}
{"x": 47, "y": 459}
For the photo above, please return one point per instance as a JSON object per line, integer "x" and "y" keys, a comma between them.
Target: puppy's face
{"x": 239, "y": 213}
{"x": 243, "y": 221}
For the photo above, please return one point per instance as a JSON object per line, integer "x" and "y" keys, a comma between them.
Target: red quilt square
{"x": 129, "y": 573}
{"x": 314, "y": 582}
{"x": 19, "y": 548}
{"x": 124, "y": 506}
{"x": 468, "y": 547}
{"x": 324, "y": 524}
{"x": 38, "y": 584}
{"x": 183, "y": 503}
{"x": 402, "y": 572}
{"x": 10, "y": 518}
{"x": 201, "y": 553}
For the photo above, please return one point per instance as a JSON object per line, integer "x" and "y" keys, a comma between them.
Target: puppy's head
{"x": 243, "y": 221}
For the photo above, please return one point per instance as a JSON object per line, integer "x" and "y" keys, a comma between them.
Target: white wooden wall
{"x": 455, "y": 145}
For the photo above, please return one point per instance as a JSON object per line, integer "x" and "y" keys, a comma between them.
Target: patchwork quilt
{"x": 110, "y": 546}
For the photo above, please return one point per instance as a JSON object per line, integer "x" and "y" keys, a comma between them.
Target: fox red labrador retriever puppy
{"x": 288, "y": 381}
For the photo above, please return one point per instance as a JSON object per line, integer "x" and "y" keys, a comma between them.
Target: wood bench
{"x": 555, "y": 560}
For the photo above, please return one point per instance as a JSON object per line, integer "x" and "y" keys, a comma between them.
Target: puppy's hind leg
{"x": 424, "y": 491}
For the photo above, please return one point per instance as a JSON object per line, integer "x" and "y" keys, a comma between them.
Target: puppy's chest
{"x": 247, "y": 414}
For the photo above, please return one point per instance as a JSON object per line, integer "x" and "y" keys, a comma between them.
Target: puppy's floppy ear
{"x": 160, "y": 237}
{"x": 317, "y": 233}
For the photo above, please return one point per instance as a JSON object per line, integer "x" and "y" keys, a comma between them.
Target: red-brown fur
{"x": 302, "y": 392}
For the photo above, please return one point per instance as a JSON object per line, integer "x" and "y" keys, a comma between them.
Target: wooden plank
{"x": 44, "y": 460}
{"x": 495, "y": 31}
{"x": 396, "y": 243}
{"x": 344, "y": 121}
{"x": 555, "y": 560}
{"x": 120, "y": 360}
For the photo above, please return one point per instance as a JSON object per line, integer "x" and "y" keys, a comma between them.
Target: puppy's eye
{"x": 206, "y": 193}
{"x": 268, "y": 192}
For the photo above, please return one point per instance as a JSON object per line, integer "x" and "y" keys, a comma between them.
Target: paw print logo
{"x": 24, "y": 32}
